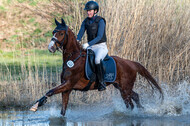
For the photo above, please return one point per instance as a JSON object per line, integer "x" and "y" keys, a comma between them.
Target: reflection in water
{"x": 49, "y": 118}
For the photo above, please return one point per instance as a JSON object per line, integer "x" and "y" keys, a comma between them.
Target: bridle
{"x": 60, "y": 48}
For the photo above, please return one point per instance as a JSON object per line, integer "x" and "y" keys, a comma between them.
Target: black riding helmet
{"x": 92, "y": 5}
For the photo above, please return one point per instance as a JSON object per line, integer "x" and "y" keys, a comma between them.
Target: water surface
{"x": 75, "y": 117}
{"x": 173, "y": 111}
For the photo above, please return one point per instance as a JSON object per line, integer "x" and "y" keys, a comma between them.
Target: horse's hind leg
{"x": 127, "y": 99}
{"x": 126, "y": 95}
{"x": 135, "y": 97}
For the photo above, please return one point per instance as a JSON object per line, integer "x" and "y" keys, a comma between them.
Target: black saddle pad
{"x": 109, "y": 66}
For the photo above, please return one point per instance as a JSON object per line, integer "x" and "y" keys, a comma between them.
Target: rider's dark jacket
{"x": 95, "y": 28}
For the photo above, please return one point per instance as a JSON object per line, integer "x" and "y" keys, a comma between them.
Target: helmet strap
{"x": 95, "y": 13}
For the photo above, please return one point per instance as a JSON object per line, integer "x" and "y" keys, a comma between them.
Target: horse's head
{"x": 59, "y": 36}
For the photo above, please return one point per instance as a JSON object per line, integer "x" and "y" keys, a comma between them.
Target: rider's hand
{"x": 85, "y": 45}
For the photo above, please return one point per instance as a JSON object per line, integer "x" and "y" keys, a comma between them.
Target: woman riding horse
{"x": 96, "y": 34}
{"x": 73, "y": 75}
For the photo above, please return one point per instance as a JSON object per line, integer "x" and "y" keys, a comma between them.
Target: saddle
{"x": 109, "y": 67}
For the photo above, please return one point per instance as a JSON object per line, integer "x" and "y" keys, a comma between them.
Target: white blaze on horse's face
{"x": 51, "y": 47}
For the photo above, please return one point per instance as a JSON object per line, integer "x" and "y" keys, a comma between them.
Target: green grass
{"x": 40, "y": 40}
{"x": 33, "y": 56}
{"x": 48, "y": 34}
{"x": 37, "y": 31}
{"x": 33, "y": 3}
{"x": 13, "y": 63}
{"x": 31, "y": 20}
{"x": 2, "y": 9}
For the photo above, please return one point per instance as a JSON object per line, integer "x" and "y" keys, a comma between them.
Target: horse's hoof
{"x": 62, "y": 113}
{"x": 34, "y": 107}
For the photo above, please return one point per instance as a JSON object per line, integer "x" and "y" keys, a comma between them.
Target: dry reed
{"x": 155, "y": 33}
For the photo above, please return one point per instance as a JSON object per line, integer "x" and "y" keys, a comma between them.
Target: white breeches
{"x": 100, "y": 51}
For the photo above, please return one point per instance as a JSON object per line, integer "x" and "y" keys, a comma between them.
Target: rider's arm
{"x": 81, "y": 31}
{"x": 101, "y": 27}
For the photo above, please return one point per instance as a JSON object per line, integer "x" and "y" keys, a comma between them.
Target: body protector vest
{"x": 92, "y": 29}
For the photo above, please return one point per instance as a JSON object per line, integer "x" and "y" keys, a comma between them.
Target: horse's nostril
{"x": 52, "y": 49}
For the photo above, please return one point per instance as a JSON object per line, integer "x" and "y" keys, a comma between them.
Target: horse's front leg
{"x": 64, "y": 87}
{"x": 65, "y": 99}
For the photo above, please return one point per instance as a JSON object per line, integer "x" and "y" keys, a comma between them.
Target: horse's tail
{"x": 144, "y": 72}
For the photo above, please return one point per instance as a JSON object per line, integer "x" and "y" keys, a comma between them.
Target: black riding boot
{"x": 102, "y": 85}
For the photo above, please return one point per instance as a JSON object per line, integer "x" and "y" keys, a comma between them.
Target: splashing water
{"x": 108, "y": 108}
{"x": 176, "y": 103}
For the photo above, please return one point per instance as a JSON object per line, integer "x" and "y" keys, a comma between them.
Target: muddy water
{"x": 173, "y": 111}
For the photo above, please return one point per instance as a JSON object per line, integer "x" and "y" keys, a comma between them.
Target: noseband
{"x": 57, "y": 41}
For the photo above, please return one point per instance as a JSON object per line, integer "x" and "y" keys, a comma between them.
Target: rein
{"x": 61, "y": 46}
{"x": 63, "y": 51}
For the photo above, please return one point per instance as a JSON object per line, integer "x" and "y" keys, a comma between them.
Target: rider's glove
{"x": 85, "y": 45}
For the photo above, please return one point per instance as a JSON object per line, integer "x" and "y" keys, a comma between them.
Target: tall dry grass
{"x": 155, "y": 33}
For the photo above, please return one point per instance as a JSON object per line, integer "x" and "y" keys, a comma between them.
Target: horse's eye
{"x": 61, "y": 34}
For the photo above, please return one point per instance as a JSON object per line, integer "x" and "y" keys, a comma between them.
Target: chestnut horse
{"x": 74, "y": 78}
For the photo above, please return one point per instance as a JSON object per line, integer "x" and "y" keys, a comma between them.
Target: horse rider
{"x": 95, "y": 27}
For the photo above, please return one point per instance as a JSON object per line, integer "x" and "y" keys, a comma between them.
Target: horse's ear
{"x": 56, "y": 22}
{"x": 63, "y": 22}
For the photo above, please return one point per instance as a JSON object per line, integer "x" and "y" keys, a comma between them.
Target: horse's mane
{"x": 79, "y": 44}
